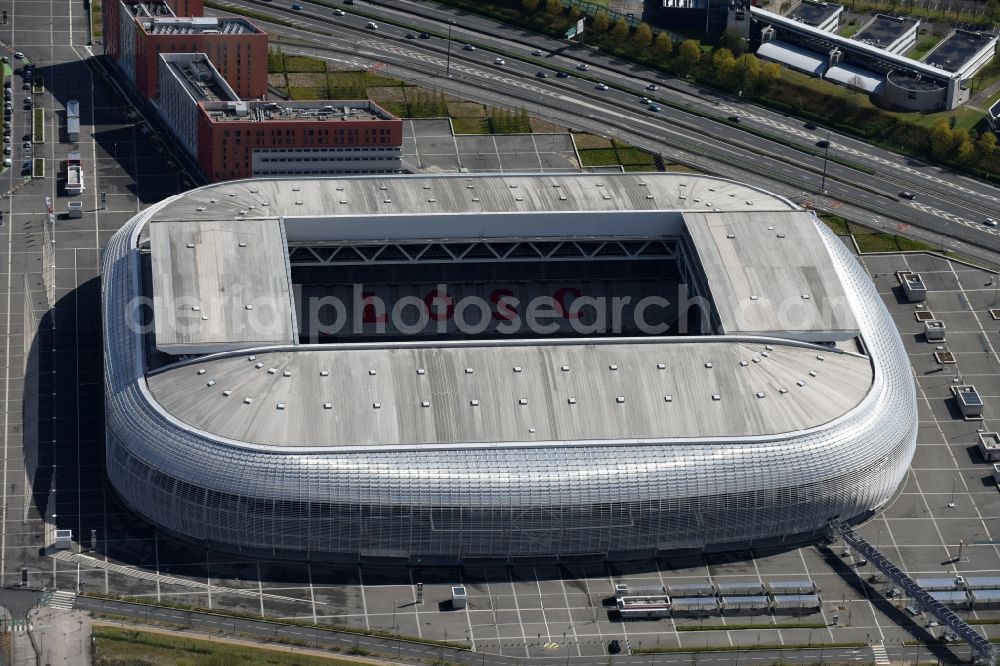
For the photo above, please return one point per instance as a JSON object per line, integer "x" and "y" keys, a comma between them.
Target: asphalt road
{"x": 389, "y": 647}
{"x": 947, "y": 205}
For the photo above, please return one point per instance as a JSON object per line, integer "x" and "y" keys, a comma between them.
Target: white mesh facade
{"x": 471, "y": 503}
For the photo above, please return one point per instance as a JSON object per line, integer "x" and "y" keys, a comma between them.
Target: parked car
{"x": 7, "y": 150}
{"x": 18, "y": 55}
{"x": 6, "y": 162}
{"x": 27, "y": 103}
{"x": 26, "y": 145}
{"x": 26, "y": 85}
{"x": 4, "y": 59}
{"x": 614, "y": 647}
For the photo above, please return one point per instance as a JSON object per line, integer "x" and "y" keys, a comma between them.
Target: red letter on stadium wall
{"x": 505, "y": 310}
{"x": 440, "y": 295}
{"x": 373, "y": 309}
{"x": 562, "y": 307}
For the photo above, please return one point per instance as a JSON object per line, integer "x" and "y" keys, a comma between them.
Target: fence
{"x": 591, "y": 9}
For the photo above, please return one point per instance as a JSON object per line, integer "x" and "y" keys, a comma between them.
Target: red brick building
{"x": 244, "y": 139}
{"x": 237, "y": 48}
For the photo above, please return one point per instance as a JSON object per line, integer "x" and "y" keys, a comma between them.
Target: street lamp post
{"x": 451, "y": 22}
{"x": 826, "y": 157}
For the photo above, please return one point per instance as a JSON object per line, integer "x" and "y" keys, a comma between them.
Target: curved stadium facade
{"x": 240, "y": 416}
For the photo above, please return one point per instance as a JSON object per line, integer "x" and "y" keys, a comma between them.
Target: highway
{"x": 947, "y": 206}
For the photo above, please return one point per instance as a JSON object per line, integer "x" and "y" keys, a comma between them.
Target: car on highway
{"x": 655, "y": 108}
{"x": 424, "y": 35}
{"x": 645, "y": 100}
{"x": 468, "y": 47}
{"x": 601, "y": 86}
{"x": 18, "y": 55}
{"x": 542, "y": 75}
{"x": 614, "y": 647}
{"x": 410, "y": 35}
{"x": 810, "y": 126}
{"x": 990, "y": 222}
{"x": 499, "y": 61}
{"x": 652, "y": 86}
{"x": 733, "y": 119}
{"x": 583, "y": 67}
{"x": 823, "y": 143}
{"x": 562, "y": 75}
{"x": 296, "y": 6}
{"x": 905, "y": 194}
{"x": 339, "y": 12}
{"x": 372, "y": 25}
{"x": 348, "y": 2}
{"x": 537, "y": 52}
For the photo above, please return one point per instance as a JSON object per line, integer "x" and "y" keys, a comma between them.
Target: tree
{"x": 553, "y": 6}
{"x": 959, "y": 137}
{"x": 770, "y": 73}
{"x": 620, "y": 30}
{"x": 688, "y": 57}
{"x": 663, "y": 47}
{"x": 966, "y": 151}
{"x": 941, "y": 138}
{"x": 986, "y": 143}
{"x": 724, "y": 66}
{"x": 643, "y": 36}
{"x": 600, "y": 22}
{"x": 529, "y": 5}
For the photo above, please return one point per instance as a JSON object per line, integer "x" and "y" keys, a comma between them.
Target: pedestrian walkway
{"x": 18, "y": 626}
{"x": 60, "y": 600}
{"x": 880, "y": 655}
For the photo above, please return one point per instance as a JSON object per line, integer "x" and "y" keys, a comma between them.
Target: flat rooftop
{"x": 284, "y": 111}
{"x": 771, "y": 275}
{"x": 882, "y": 31}
{"x": 217, "y": 285}
{"x": 197, "y": 74}
{"x": 955, "y": 51}
{"x": 198, "y": 26}
{"x": 150, "y": 9}
{"x": 814, "y": 13}
{"x": 513, "y": 195}
{"x": 433, "y": 394}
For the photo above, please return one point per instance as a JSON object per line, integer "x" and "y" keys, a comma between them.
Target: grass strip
{"x": 295, "y": 623}
{"x": 113, "y": 645}
{"x": 38, "y": 126}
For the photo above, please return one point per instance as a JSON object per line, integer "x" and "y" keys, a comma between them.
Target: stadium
{"x": 496, "y": 368}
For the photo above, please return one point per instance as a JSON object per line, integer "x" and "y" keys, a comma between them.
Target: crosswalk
{"x": 60, "y": 599}
{"x": 880, "y": 655}
{"x": 18, "y": 626}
